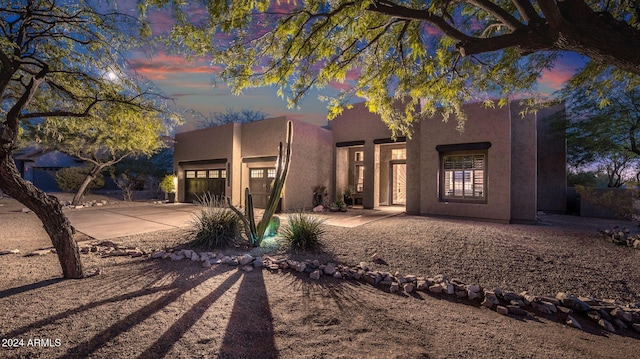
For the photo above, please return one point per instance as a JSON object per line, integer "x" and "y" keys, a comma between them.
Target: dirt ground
{"x": 143, "y": 308}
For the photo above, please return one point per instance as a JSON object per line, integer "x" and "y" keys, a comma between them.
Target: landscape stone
{"x": 636, "y": 327}
{"x": 247, "y": 268}
{"x": 195, "y": 257}
{"x": 408, "y": 287}
{"x": 315, "y": 275}
{"x": 245, "y": 259}
{"x": 516, "y": 310}
{"x": 436, "y": 288}
{"x": 510, "y": 296}
{"x": 258, "y": 263}
{"x": 607, "y": 325}
{"x": 206, "y": 264}
{"x": 502, "y": 310}
{"x": 329, "y": 269}
{"x": 619, "y": 323}
{"x": 473, "y": 288}
{"x": 394, "y": 287}
{"x": 621, "y": 314}
{"x": 572, "y": 322}
{"x": 10, "y": 251}
{"x": 337, "y": 275}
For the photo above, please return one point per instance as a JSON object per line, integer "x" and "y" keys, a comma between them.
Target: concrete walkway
{"x": 136, "y": 218}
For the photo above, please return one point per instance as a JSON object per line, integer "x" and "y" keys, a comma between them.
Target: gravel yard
{"x": 138, "y": 307}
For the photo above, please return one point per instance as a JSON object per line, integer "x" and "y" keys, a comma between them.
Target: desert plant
{"x": 69, "y": 179}
{"x": 255, "y": 233}
{"x": 215, "y": 225}
{"x": 168, "y": 184}
{"x": 303, "y": 232}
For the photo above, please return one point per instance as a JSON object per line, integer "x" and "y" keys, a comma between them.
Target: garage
{"x": 260, "y": 183}
{"x": 199, "y": 182}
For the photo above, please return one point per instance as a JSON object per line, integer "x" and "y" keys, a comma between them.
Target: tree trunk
{"x": 48, "y": 210}
{"x": 83, "y": 187}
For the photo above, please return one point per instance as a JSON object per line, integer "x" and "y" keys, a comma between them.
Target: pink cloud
{"x": 557, "y": 77}
{"x": 161, "y": 65}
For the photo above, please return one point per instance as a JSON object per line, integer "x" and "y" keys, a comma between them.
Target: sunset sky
{"x": 190, "y": 83}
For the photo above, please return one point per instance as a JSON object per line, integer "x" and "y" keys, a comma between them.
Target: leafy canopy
{"x": 431, "y": 56}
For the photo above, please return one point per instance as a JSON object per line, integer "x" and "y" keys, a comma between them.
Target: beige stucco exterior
{"x": 241, "y": 147}
{"x": 524, "y": 162}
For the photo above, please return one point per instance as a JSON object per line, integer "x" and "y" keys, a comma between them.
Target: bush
{"x": 69, "y": 179}
{"x": 303, "y": 232}
{"x": 215, "y": 226}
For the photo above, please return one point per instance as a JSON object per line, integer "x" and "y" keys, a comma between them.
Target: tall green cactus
{"x": 254, "y": 233}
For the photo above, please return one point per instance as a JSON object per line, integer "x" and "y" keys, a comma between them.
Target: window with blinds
{"x": 464, "y": 177}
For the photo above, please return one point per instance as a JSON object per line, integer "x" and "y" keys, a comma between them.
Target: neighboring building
{"x": 40, "y": 166}
{"x": 503, "y": 167}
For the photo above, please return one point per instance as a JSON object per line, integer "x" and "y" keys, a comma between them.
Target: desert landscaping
{"x": 143, "y": 306}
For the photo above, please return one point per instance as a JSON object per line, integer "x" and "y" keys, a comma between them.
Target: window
{"x": 399, "y": 154}
{"x": 256, "y": 173}
{"x": 271, "y": 173}
{"x": 214, "y": 174}
{"x": 359, "y": 156}
{"x": 359, "y": 178}
{"x": 190, "y": 174}
{"x": 201, "y": 174}
{"x": 463, "y": 177}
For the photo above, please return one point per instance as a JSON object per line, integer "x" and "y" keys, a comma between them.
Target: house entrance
{"x": 398, "y": 183}
{"x": 199, "y": 182}
{"x": 260, "y": 183}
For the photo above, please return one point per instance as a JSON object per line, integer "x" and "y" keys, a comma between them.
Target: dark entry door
{"x": 260, "y": 182}
{"x": 199, "y": 182}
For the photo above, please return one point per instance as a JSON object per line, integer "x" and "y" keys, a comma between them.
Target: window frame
{"x": 485, "y": 178}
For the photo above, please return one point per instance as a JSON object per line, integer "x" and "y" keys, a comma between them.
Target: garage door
{"x": 260, "y": 181}
{"x": 199, "y": 182}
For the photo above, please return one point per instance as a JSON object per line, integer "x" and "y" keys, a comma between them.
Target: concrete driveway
{"x": 140, "y": 217}
{"x": 117, "y": 221}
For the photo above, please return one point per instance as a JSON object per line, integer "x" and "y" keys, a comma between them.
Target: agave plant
{"x": 255, "y": 233}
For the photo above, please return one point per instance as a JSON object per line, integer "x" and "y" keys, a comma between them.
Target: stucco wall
{"x": 213, "y": 143}
{"x": 552, "y": 169}
{"x": 483, "y": 125}
{"x": 523, "y": 165}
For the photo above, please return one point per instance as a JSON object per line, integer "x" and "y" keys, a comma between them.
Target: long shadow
{"x": 27, "y": 287}
{"x": 84, "y": 349}
{"x": 250, "y": 332}
{"x": 166, "y": 341}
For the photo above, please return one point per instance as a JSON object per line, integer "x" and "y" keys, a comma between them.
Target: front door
{"x": 260, "y": 182}
{"x": 398, "y": 183}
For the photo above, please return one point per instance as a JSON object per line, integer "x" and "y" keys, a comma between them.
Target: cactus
{"x": 254, "y": 233}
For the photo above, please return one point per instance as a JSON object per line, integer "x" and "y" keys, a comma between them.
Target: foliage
{"x": 70, "y": 179}
{"x": 303, "y": 232}
{"x": 63, "y": 59}
{"x": 215, "y": 225}
{"x": 230, "y": 116}
{"x": 619, "y": 201}
{"x": 255, "y": 234}
{"x": 408, "y": 59}
{"x": 604, "y": 134}
{"x": 585, "y": 178}
{"x": 133, "y": 173}
{"x": 168, "y": 184}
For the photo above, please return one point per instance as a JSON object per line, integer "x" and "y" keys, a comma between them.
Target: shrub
{"x": 69, "y": 179}
{"x": 303, "y": 232}
{"x": 214, "y": 226}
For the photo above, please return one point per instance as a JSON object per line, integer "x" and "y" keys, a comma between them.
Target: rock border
{"x": 610, "y": 315}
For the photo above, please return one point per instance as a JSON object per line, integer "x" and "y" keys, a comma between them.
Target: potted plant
{"x": 168, "y": 186}
{"x": 339, "y": 204}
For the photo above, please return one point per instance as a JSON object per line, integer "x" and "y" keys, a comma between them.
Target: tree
{"x": 604, "y": 134}
{"x": 132, "y": 173}
{"x": 110, "y": 134}
{"x": 56, "y": 60}
{"x": 432, "y": 56}
{"x": 230, "y": 116}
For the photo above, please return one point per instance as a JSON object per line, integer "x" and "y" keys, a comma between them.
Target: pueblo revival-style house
{"x": 504, "y": 167}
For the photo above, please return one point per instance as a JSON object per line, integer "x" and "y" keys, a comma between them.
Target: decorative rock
{"x": 502, "y": 310}
{"x": 158, "y": 254}
{"x": 606, "y": 325}
{"x": 176, "y": 257}
{"x": 39, "y": 252}
{"x": 572, "y": 322}
{"x": 636, "y": 327}
{"x": 187, "y": 253}
{"x": 514, "y": 309}
{"x": 461, "y": 294}
{"x": 315, "y": 275}
{"x": 215, "y": 261}
{"x": 572, "y": 302}
{"x": 329, "y": 269}
{"x": 621, "y": 314}
{"x": 450, "y": 289}
{"x": 247, "y": 268}
{"x": 436, "y": 288}
{"x": 394, "y": 287}
{"x": 376, "y": 257}
{"x": 619, "y": 323}
{"x": 337, "y": 275}
{"x": 473, "y": 288}
{"x": 195, "y": 257}
{"x": 258, "y": 263}
{"x": 473, "y": 295}
{"x": 408, "y": 287}
{"x": 245, "y": 259}
{"x": 440, "y": 278}
{"x": 9, "y": 251}
{"x": 422, "y": 285}
{"x": 511, "y": 296}
{"x": 206, "y": 264}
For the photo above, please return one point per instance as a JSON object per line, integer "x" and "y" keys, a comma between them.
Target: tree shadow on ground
{"x": 250, "y": 332}
{"x": 28, "y": 287}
